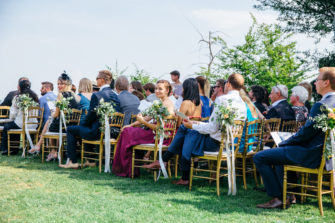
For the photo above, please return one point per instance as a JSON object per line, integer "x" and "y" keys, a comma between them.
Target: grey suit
{"x": 129, "y": 105}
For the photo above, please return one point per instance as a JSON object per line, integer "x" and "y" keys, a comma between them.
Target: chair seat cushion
{"x": 20, "y": 130}
{"x": 54, "y": 134}
{"x": 207, "y": 153}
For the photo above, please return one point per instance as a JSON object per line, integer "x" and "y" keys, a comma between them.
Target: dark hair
{"x": 258, "y": 92}
{"x": 48, "y": 84}
{"x": 25, "y": 89}
{"x": 266, "y": 96}
{"x": 191, "y": 91}
{"x": 236, "y": 80}
{"x": 176, "y": 73}
{"x": 138, "y": 94}
{"x": 150, "y": 87}
{"x": 74, "y": 88}
{"x": 22, "y": 78}
{"x": 222, "y": 82}
{"x": 64, "y": 77}
{"x": 137, "y": 86}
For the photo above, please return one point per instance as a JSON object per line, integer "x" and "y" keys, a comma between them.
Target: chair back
{"x": 253, "y": 134}
{"x": 117, "y": 120}
{"x": 133, "y": 118}
{"x": 300, "y": 124}
{"x": 4, "y": 112}
{"x": 289, "y": 126}
{"x": 35, "y": 117}
{"x": 237, "y": 130}
{"x": 170, "y": 126}
{"x": 269, "y": 125}
{"x": 73, "y": 118}
{"x": 205, "y": 119}
{"x": 323, "y": 158}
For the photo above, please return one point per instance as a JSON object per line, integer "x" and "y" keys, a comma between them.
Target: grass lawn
{"x": 34, "y": 192}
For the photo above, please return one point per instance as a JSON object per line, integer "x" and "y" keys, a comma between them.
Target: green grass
{"x": 34, "y": 192}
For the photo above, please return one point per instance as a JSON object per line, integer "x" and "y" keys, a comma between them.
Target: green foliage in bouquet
{"x": 104, "y": 108}
{"x": 157, "y": 111}
{"x": 225, "y": 114}
{"x": 24, "y": 101}
{"x": 63, "y": 104}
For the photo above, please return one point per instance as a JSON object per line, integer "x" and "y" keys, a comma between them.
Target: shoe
{"x": 274, "y": 203}
{"x": 181, "y": 182}
{"x": 154, "y": 165}
{"x": 4, "y": 153}
{"x": 293, "y": 199}
{"x": 70, "y": 165}
{"x": 88, "y": 164}
{"x": 51, "y": 157}
{"x": 34, "y": 150}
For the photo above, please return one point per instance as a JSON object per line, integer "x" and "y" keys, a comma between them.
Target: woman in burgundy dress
{"x": 132, "y": 135}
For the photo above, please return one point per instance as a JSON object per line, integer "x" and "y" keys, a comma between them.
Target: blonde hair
{"x": 85, "y": 86}
{"x": 247, "y": 100}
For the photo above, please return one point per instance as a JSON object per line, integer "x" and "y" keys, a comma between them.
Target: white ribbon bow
{"x": 332, "y": 140}
{"x": 230, "y": 161}
{"x": 107, "y": 145}
{"x": 60, "y": 134}
{"x": 160, "y": 155}
{"x": 26, "y": 130}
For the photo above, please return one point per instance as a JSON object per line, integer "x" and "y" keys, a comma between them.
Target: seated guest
{"x": 280, "y": 108}
{"x": 196, "y": 137}
{"x": 135, "y": 86}
{"x": 9, "y": 98}
{"x": 132, "y": 134}
{"x": 89, "y": 129}
{"x": 309, "y": 89}
{"x": 73, "y": 88}
{"x": 85, "y": 92}
{"x": 149, "y": 90}
{"x": 297, "y": 99}
{"x": 16, "y": 115}
{"x": 128, "y": 102}
{"x": 204, "y": 96}
{"x": 303, "y": 149}
{"x": 47, "y": 96}
{"x": 138, "y": 94}
{"x": 64, "y": 84}
{"x": 256, "y": 95}
{"x": 218, "y": 89}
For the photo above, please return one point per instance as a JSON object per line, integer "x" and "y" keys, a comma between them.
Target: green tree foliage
{"x": 266, "y": 58}
{"x": 305, "y": 16}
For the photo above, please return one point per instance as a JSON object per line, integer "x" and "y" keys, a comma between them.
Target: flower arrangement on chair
{"x": 104, "y": 111}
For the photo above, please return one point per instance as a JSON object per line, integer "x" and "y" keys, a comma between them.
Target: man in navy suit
{"x": 280, "y": 108}
{"x": 303, "y": 149}
{"x": 89, "y": 128}
{"x": 128, "y": 102}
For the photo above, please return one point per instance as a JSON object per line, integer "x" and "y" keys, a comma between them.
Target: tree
{"x": 305, "y": 16}
{"x": 266, "y": 58}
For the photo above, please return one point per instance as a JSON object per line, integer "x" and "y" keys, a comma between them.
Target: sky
{"x": 42, "y": 38}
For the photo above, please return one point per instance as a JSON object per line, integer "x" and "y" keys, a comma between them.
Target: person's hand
{"x": 126, "y": 126}
{"x": 188, "y": 124}
{"x": 140, "y": 118}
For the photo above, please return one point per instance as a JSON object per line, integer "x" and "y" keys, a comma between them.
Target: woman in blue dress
{"x": 204, "y": 88}
{"x": 85, "y": 93}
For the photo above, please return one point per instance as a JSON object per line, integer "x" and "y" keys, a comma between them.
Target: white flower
{"x": 156, "y": 102}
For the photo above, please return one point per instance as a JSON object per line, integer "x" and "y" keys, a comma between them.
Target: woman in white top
{"x": 16, "y": 115}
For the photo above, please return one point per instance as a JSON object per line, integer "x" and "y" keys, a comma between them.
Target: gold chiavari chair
{"x": 269, "y": 125}
{"x": 253, "y": 133}
{"x": 300, "y": 124}
{"x": 312, "y": 187}
{"x": 72, "y": 118}
{"x": 289, "y": 126}
{"x": 116, "y": 121}
{"x": 4, "y": 114}
{"x": 215, "y": 159}
{"x": 35, "y": 117}
{"x": 170, "y": 124}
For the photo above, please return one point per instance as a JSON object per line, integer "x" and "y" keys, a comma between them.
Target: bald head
{"x": 236, "y": 81}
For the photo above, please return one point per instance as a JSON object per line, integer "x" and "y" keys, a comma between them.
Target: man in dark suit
{"x": 280, "y": 108}
{"x": 304, "y": 148}
{"x": 9, "y": 97}
{"x": 129, "y": 103}
{"x": 89, "y": 128}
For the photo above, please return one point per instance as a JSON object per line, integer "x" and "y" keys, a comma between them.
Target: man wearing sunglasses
{"x": 218, "y": 89}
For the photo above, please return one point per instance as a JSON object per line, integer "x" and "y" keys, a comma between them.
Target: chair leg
{"x": 100, "y": 156}
{"x": 244, "y": 173}
{"x": 284, "y": 188}
{"x": 43, "y": 148}
{"x": 319, "y": 193}
{"x": 255, "y": 173}
{"x": 24, "y": 143}
{"x": 132, "y": 164}
{"x": 82, "y": 155}
{"x": 176, "y": 167}
{"x": 8, "y": 144}
{"x": 191, "y": 173}
{"x": 332, "y": 190}
{"x": 302, "y": 187}
{"x": 218, "y": 167}
{"x": 169, "y": 169}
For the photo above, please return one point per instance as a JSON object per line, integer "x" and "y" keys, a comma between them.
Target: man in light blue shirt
{"x": 47, "y": 96}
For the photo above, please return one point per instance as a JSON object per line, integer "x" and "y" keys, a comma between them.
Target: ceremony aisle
{"x": 34, "y": 192}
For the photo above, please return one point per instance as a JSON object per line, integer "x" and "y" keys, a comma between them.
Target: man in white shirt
{"x": 193, "y": 138}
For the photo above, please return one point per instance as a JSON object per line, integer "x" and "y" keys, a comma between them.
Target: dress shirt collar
{"x": 235, "y": 92}
{"x": 277, "y": 102}
{"x": 103, "y": 86}
{"x": 328, "y": 94}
